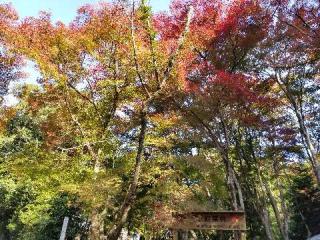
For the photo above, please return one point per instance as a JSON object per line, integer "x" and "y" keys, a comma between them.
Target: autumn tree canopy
{"x": 209, "y": 106}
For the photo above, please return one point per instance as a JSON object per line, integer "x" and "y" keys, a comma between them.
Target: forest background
{"x": 135, "y": 114}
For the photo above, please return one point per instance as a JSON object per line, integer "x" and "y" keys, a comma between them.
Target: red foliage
{"x": 237, "y": 86}
{"x": 202, "y": 27}
{"x": 221, "y": 35}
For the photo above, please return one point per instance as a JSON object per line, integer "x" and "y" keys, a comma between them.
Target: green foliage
{"x": 210, "y": 106}
{"x": 21, "y": 131}
{"x": 305, "y": 199}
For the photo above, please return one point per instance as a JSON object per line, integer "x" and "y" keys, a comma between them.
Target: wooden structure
{"x": 219, "y": 220}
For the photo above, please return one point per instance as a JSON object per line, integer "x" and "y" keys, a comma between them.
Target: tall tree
{"x": 10, "y": 62}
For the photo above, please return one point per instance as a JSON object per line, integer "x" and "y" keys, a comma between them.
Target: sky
{"x": 61, "y": 10}
{"x": 64, "y": 10}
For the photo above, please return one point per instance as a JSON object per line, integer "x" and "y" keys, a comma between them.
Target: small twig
{"x": 81, "y": 146}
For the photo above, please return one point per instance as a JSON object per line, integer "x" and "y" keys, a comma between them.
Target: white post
{"x": 64, "y": 228}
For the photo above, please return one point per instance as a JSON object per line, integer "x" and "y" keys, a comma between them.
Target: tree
{"x": 208, "y": 106}
{"x": 10, "y": 62}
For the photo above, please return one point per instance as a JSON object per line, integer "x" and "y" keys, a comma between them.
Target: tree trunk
{"x": 233, "y": 183}
{"x": 193, "y": 235}
{"x": 183, "y": 235}
{"x": 276, "y": 212}
{"x": 285, "y": 214}
{"x": 309, "y": 147}
{"x": 2, "y": 236}
{"x": 95, "y": 227}
{"x": 124, "y": 235}
{"x": 235, "y": 191}
{"x": 264, "y": 215}
{"x": 312, "y": 154}
{"x": 260, "y": 196}
{"x": 263, "y": 210}
{"x": 129, "y": 200}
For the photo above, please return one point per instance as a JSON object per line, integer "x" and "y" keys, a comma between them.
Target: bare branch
{"x": 181, "y": 42}
{"x": 135, "y": 57}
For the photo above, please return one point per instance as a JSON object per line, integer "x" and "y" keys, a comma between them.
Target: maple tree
{"x": 211, "y": 105}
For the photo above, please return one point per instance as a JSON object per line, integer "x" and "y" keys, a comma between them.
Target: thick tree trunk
{"x": 122, "y": 216}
